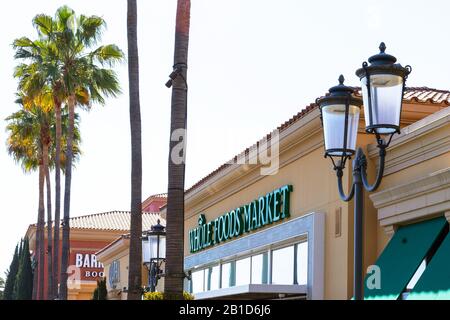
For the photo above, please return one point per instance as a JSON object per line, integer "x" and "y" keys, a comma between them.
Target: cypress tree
{"x": 95, "y": 294}
{"x": 11, "y": 276}
{"x": 102, "y": 291}
{"x": 24, "y": 279}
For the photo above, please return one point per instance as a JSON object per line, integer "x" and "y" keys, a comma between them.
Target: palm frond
{"x": 43, "y": 24}
{"x": 108, "y": 55}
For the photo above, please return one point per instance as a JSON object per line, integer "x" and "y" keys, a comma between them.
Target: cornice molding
{"x": 118, "y": 248}
{"x": 418, "y": 199}
{"x": 418, "y": 142}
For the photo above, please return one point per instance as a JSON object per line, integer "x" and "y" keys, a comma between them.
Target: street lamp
{"x": 154, "y": 253}
{"x": 382, "y": 86}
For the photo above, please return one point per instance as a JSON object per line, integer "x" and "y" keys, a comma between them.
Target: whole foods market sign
{"x": 263, "y": 211}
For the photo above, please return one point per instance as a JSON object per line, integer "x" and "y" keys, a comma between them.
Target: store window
{"x": 213, "y": 278}
{"x": 260, "y": 268}
{"x": 226, "y": 275}
{"x": 302, "y": 263}
{"x": 198, "y": 279}
{"x": 114, "y": 274}
{"x": 283, "y": 266}
{"x": 243, "y": 271}
{"x": 289, "y": 265}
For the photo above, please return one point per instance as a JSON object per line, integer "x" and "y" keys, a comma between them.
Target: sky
{"x": 253, "y": 64}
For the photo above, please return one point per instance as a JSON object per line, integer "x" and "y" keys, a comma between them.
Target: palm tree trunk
{"x": 50, "y": 294}
{"x": 57, "y": 197}
{"x": 173, "y": 283}
{"x": 135, "y": 257}
{"x": 67, "y": 186}
{"x": 40, "y": 234}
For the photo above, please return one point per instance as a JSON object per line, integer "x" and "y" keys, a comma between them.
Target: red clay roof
{"x": 423, "y": 95}
{"x": 113, "y": 220}
{"x": 158, "y": 196}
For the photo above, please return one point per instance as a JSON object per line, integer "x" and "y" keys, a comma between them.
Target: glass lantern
{"x": 382, "y": 87}
{"x": 154, "y": 245}
{"x": 340, "y": 111}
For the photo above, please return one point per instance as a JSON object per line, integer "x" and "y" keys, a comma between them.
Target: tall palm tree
{"x": 135, "y": 257}
{"x": 173, "y": 283}
{"x": 78, "y": 75}
{"x": 29, "y": 142}
{"x": 49, "y": 251}
{"x": 39, "y": 73}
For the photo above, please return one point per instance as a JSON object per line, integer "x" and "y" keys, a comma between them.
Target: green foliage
{"x": 95, "y": 294}
{"x": 8, "y": 294}
{"x": 24, "y": 142}
{"x": 23, "y": 287}
{"x": 153, "y": 296}
{"x": 62, "y": 59}
{"x": 163, "y": 296}
{"x": 19, "y": 281}
{"x": 100, "y": 293}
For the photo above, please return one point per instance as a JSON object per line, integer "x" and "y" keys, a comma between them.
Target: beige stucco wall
{"x": 122, "y": 254}
{"x": 425, "y": 152}
{"x": 314, "y": 190}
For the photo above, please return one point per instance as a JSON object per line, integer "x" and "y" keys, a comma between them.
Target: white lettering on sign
{"x": 94, "y": 274}
{"x": 87, "y": 261}
{"x": 78, "y": 260}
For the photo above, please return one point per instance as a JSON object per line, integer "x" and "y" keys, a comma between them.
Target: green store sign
{"x": 263, "y": 211}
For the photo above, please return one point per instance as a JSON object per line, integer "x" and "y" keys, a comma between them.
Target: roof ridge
{"x": 299, "y": 115}
{"x": 100, "y": 213}
{"x": 428, "y": 89}
{"x": 107, "y": 212}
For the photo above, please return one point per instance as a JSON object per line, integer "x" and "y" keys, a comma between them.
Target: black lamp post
{"x": 154, "y": 253}
{"x": 382, "y": 86}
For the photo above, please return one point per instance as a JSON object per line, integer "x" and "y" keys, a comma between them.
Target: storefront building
{"x": 89, "y": 234}
{"x": 288, "y": 235}
{"x": 115, "y": 258}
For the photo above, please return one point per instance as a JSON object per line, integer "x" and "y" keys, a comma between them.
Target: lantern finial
{"x": 341, "y": 79}
{"x": 382, "y": 47}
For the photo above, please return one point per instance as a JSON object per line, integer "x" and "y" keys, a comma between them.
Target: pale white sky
{"x": 252, "y": 65}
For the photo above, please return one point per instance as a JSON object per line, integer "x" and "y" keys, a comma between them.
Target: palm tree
{"x": 173, "y": 283}
{"x": 29, "y": 142}
{"x": 77, "y": 76}
{"x": 135, "y": 257}
{"x": 49, "y": 251}
{"x": 41, "y": 73}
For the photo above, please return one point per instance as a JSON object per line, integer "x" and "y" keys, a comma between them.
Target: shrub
{"x": 162, "y": 296}
{"x": 153, "y": 296}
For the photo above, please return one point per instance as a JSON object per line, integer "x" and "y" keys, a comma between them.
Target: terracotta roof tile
{"x": 411, "y": 95}
{"x": 113, "y": 220}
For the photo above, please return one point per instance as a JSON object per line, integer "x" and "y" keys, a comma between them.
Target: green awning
{"x": 402, "y": 256}
{"x": 434, "y": 284}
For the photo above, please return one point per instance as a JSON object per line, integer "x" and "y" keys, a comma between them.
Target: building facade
{"x": 115, "y": 255}
{"x": 115, "y": 258}
{"x": 89, "y": 234}
{"x": 250, "y": 233}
